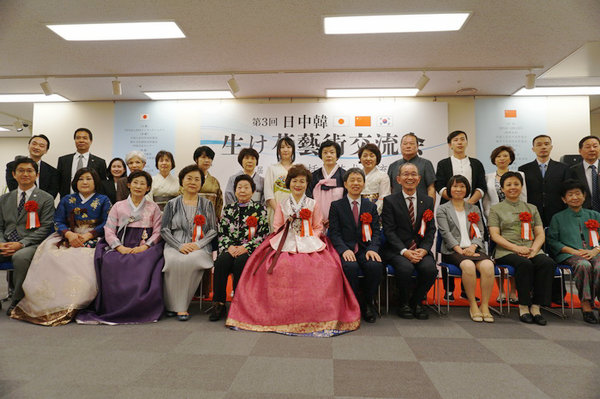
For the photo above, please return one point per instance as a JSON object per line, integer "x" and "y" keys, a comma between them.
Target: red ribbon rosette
{"x": 251, "y": 222}
{"x": 427, "y": 216}
{"x": 305, "y": 215}
{"x": 33, "y": 220}
{"x": 366, "y": 218}
{"x": 199, "y": 221}
{"x": 592, "y": 226}
{"x": 525, "y": 218}
{"x": 473, "y": 218}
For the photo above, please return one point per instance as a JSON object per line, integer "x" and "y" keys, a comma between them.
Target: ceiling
{"x": 277, "y": 48}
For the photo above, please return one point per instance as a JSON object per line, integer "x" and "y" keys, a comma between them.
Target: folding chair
{"x": 8, "y": 266}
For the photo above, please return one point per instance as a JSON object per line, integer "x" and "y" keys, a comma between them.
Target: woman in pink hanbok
{"x": 294, "y": 283}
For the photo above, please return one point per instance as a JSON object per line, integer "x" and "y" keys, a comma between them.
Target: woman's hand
{"x": 471, "y": 250}
{"x": 75, "y": 240}
{"x": 139, "y": 248}
{"x": 122, "y": 249}
{"x": 236, "y": 251}
{"x": 188, "y": 248}
{"x": 458, "y": 250}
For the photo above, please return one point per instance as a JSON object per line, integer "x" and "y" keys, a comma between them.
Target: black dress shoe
{"x": 218, "y": 312}
{"x": 406, "y": 312}
{"x": 539, "y": 320}
{"x": 449, "y": 296}
{"x": 370, "y": 313}
{"x": 183, "y": 317}
{"x": 420, "y": 312}
{"x": 526, "y": 318}
{"x": 590, "y": 317}
{"x": 168, "y": 313}
{"x": 10, "y": 308}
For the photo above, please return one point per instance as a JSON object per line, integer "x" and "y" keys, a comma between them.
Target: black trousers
{"x": 532, "y": 276}
{"x": 426, "y": 274}
{"x": 224, "y": 266}
{"x": 372, "y": 271}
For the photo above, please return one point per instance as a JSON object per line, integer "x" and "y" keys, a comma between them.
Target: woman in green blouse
{"x": 516, "y": 227}
{"x": 242, "y": 228}
{"x": 573, "y": 240}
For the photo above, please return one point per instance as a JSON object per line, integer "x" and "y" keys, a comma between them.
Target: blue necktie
{"x": 21, "y": 203}
{"x": 543, "y": 170}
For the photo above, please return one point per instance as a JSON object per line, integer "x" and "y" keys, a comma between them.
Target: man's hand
{"x": 349, "y": 256}
{"x": 372, "y": 255}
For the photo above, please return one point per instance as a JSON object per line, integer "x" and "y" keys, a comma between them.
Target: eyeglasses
{"x": 23, "y": 171}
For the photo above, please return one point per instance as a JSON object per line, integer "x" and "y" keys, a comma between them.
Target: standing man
{"x": 544, "y": 178}
{"x": 358, "y": 248}
{"x": 19, "y": 237}
{"x": 409, "y": 229}
{"x": 48, "y": 177}
{"x": 71, "y": 163}
{"x": 472, "y": 169}
{"x": 587, "y": 171}
{"x": 409, "y": 146}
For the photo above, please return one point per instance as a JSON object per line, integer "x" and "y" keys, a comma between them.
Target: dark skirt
{"x": 129, "y": 286}
{"x": 455, "y": 258}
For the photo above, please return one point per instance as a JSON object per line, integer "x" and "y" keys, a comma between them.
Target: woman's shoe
{"x": 488, "y": 318}
{"x": 590, "y": 317}
{"x": 526, "y": 318}
{"x": 513, "y": 301}
{"x": 168, "y": 313}
{"x": 218, "y": 312}
{"x": 539, "y": 320}
{"x": 501, "y": 298}
{"x": 183, "y": 317}
{"x": 476, "y": 317}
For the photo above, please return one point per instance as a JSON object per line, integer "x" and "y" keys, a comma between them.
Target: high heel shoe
{"x": 476, "y": 317}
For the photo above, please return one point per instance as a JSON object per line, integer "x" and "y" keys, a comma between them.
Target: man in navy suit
{"x": 69, "y": 164}
{"x": 47, "y": 179}
{"x": 409, "y": 230}
{"x": 355, "y": 234}
{"x": 587, "y": 171}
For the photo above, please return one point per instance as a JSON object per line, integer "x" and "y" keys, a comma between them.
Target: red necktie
{"x": 355, "y": 213}
{"x": 411, "y": 214}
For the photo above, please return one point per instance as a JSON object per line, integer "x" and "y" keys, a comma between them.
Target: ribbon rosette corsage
{"x": 305, "y": 215}
{"x": 199, "y": 221}
{"x": 525, "y": 218}
{"x": 473, "y": 218}
{"x": 33, "y": 220}
{"x": 427, "y": 216}
{"x": 593, "y": 226}
{"x": 251, "y": 222}
{"x": 366, "y": 219}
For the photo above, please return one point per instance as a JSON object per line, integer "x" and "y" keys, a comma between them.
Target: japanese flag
{"x": 342, "y": 121}
{"x": 384, "y": 121}
{"x": 144, "y": 117}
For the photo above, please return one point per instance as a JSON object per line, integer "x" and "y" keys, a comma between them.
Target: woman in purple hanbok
{"x": 129, "y": 261}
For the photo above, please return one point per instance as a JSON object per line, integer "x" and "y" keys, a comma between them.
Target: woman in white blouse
{"x": 165, "y": 186}
{"x": 377, "y": 183}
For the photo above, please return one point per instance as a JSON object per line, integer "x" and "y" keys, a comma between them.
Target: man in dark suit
{"x": 587, "y": 170}
{"x": 409, "y": 230}
{"x": 357, "y": 250}
{"x": 18, "y": 238}
{"x": 472, "y": 169}
{"x": 69, "y": 164}
{"x": 544, "y": 178}
{"x": 48, "y": 177}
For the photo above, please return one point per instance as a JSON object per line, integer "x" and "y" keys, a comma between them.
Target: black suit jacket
{"x": 49, "y": 178}
{"x": 345, "y": 234}
{"x": 544, "y": 193}
{"x": 65, "y": 164}
{"x": 444, "y": 173}
{"x": 109, "y": 190}
{"x": 578, "y": 173}
{"x": 397, "y": 227}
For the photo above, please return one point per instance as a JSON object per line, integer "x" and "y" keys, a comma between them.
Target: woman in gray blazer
{"x": 461, "y": 228}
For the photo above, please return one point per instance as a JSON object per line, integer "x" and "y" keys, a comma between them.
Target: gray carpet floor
{"x": 443, "y": 357}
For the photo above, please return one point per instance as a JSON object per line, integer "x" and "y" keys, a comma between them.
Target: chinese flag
{"x": 510, "y": 113}
{"x": 362, "y": 121}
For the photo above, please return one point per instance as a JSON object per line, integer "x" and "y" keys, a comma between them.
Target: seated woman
{"x": 62, "y": 279}
{"x": 248, "y": 159}
{"x": 327, "y": 183}
{"x": 516, "y": 227}
{"x": 573, "y": 240}
{"x": 165, "y": 186}
{"x": 461, "y": 227}
{"x": 129, "y": 261}
{"x": 136, "y": 160}
{"x": 294, "y": 283}
{"x": 377, "y": 183}
{"x": 242, "y": 228}
{"x": 115, "y": 171}
{"x": 188, "y": 227}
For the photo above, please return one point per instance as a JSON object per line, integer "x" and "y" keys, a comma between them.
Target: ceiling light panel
{"x": 394, "y": 23}
{"x": 189, "y": 95}
{"x": 118, "y": 31}
{"x": 560, "y": 91}
{"x": 401, "y": 92}
{"x": 31, "y": 98}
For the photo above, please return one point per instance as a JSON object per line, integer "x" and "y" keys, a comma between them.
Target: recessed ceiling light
{"x": 31, "y": 98}
{"x": 118, "y": 31}
{"x": 394, "y": 23}
{"x": 560, "y": 91}
{"x": 371, "y": 92}
{"x": 3, "y": 129}
{"x": 189, "y": 95}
